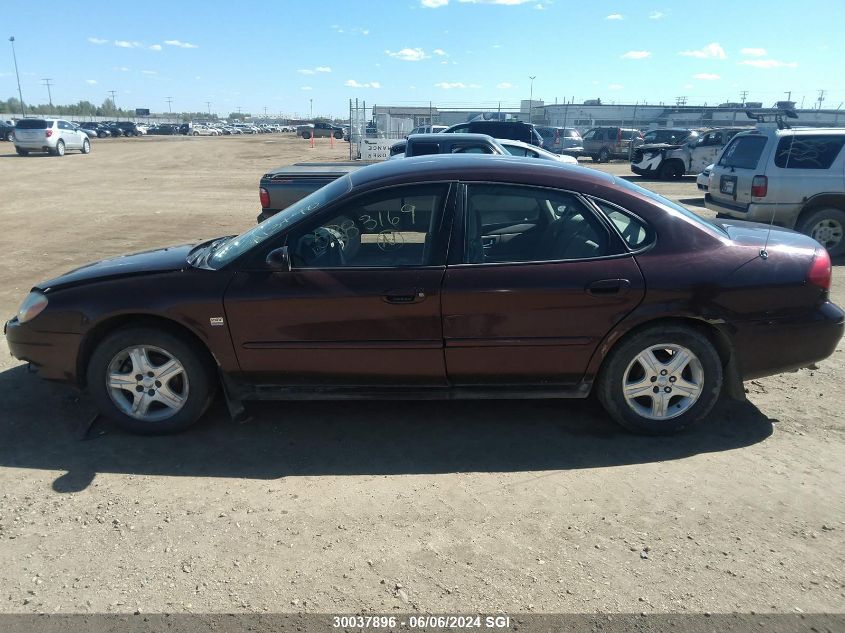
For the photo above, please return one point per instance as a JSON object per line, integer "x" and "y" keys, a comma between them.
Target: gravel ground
{"x": 535, "y": 506}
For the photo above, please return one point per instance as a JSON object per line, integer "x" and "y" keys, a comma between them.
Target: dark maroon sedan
{"x": 443, "y": 277}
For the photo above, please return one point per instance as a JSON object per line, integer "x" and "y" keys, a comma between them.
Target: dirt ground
{"x": 532, "y": 506}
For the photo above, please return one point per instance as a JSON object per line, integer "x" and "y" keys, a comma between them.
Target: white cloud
{"x": 446, "y": 85}
{"x": 179, "y": 44}
{"x": 706, "y": 76}
{"x": 351, "y": 83}
{"x": 711, "y": 51}
{"x": 439, "y": 52}
{"x": 768, "y": 63}
{"x": 512, "y": 3}
{"x": 323, "y": 69}
{"x": 122, "y": 69}
{"x": 306, "y": 88}
{"x": 155, "y": 47}
{"x": 409, "y": 54}
{"x": 150, "y": 72}
{"x": 539, "y": 7}
{"x": 433, "y": 4}
{"x": 126, "y": 44}
{"x": 504, "y": 85}
{"x": 90, "y": 82}
{"x": 754, "y": 52}
{"x": 97, "y": 40}
{"x": 656, "y": 15}
{"x": 636, "y": 55}
{"x": 615, "y": 16}
{"x": 615, "y": 87}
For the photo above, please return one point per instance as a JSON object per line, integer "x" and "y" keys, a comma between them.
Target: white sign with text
{"x": 377, "y": 148}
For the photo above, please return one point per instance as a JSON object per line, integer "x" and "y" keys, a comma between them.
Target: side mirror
{"x": 278, "y": 260}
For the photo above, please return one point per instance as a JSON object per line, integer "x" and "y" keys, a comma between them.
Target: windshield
{"x": 668, "y": 203}
{"x": 239, "y": 245}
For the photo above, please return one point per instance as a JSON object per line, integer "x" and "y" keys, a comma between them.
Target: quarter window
{"x": 808, "y": 152}
{"x": 633, "y": 230}
{"x": 389, "y": 228}
{"x": 522, "y": 224}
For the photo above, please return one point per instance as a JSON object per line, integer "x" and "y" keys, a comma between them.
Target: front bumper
{"x": 52, "y": 354}
{"x": 765, "y": 348}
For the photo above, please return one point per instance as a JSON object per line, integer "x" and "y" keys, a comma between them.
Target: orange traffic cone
{"x": 312, "y": 139}
{"x": 331, "y": 139}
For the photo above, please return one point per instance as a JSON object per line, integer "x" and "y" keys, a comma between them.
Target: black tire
{"x": 594, "y": 158}
{"x": 604, "y": 155}
{"x": 86, "y": 146}
{"x": 338, "y": 135}
{"x": 670, "y": 170}
{"x": 306, "y": 135}
{"x": 22, "y": 152}
{"x": 621, "y": 361}
{"x": 10, "y": 136}
{"x": 827, "y": 226}
{"x": 60, "y": 148}
{"x": 201, "y": 381}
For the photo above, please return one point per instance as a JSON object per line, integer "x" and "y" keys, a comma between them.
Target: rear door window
{"x": 744, "y": 152}
{"x": 808, "y": 152}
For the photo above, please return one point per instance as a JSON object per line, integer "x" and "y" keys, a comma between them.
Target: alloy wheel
{"x": 663, "y": 381}
{"x": 147, "y": 383}
{"x": 828, "y": 232}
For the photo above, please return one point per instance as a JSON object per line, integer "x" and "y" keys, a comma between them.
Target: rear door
{"x": 743, "y": 158}
{"x": 536, "y": 279}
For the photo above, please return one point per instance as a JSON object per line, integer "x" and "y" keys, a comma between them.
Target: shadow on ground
{"x": 43, "y": 423}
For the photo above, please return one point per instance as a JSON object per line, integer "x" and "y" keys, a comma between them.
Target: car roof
{"x": 469, "y": 167}
{"x": 453, "y": 137}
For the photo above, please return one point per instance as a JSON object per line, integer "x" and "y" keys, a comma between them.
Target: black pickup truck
{"x": 282, "y": 187}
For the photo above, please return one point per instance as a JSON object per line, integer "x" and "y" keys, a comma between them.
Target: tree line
{"x": 12, "y": 106}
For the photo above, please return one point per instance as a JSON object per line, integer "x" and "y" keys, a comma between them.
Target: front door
{"x": 361, "y": 305}
{"x": 542, "y": 280}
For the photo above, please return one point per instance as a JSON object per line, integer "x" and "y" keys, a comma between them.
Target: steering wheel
{"x": 322, "y": 247}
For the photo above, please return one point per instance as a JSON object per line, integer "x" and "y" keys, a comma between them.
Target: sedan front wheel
{"x": 149, "y": 381}
{"x": 661, "y": 380}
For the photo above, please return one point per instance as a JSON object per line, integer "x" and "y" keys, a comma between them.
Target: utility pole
{"x": 821, "y": 98}
{"x": 680, "y": 101}
{"x": 113, "y": 102}
{"x": 49, "y": 94}
{"x": 169, "y": 108}
{"x": 531, "y": 98}
{"x": 15, "y": 57}
{"x": 208, "y": 105}
{"x": 743, "y": 94}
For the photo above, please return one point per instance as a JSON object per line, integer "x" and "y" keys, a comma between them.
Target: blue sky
{"x": 453, "y": 52}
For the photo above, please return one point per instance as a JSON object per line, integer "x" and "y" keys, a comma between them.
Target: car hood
{"x": 145, "y": 263}
{"x": 657, "y": 146}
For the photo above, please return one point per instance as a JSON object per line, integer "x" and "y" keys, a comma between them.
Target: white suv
{"x": 791, "y": 177}
{"x": 53, "y": 136}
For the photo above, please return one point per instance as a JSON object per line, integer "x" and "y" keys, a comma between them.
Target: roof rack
{"x": 773, "y": 115}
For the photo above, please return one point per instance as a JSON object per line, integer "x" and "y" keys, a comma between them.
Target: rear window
{"x": 570, "y": 133}
{"x": 422, "y": 149}
{"x": 744, "y": 152}
{"x": 808, "y": 152}
{"x": 34, "y": 124}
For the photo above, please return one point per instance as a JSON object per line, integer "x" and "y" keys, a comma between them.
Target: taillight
{"x": 820, "y": 273}
{"x": 48, "y": 133}
{"x": 264, "y": 196}
{"x": 759, "y": 187}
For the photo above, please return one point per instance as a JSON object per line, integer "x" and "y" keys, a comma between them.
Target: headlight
{"x": 32, "y": 306}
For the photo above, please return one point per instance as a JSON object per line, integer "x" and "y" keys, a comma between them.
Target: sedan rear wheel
{"x": 661, "y": 380}
{"x": 149, "y": 381}
{"x": 827, "y": 227}
{"x": 22, "y": 152}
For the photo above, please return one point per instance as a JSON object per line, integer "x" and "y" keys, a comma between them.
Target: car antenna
{"x": 764, "y": 253}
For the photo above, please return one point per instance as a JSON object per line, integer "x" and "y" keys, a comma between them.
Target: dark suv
{"x": 603, "y": 143}
{"x": 514, "y": 130}
{"x": 128, "y": 128}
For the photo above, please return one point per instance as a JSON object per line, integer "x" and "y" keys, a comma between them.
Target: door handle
{"x": 605, "y": 287}
{"x": 400, "y": 297}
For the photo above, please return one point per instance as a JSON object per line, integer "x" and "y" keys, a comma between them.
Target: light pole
{"x": 312, "y": 108}
{"x": 531, "y": 99}
{"x": 15, "y": 57}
